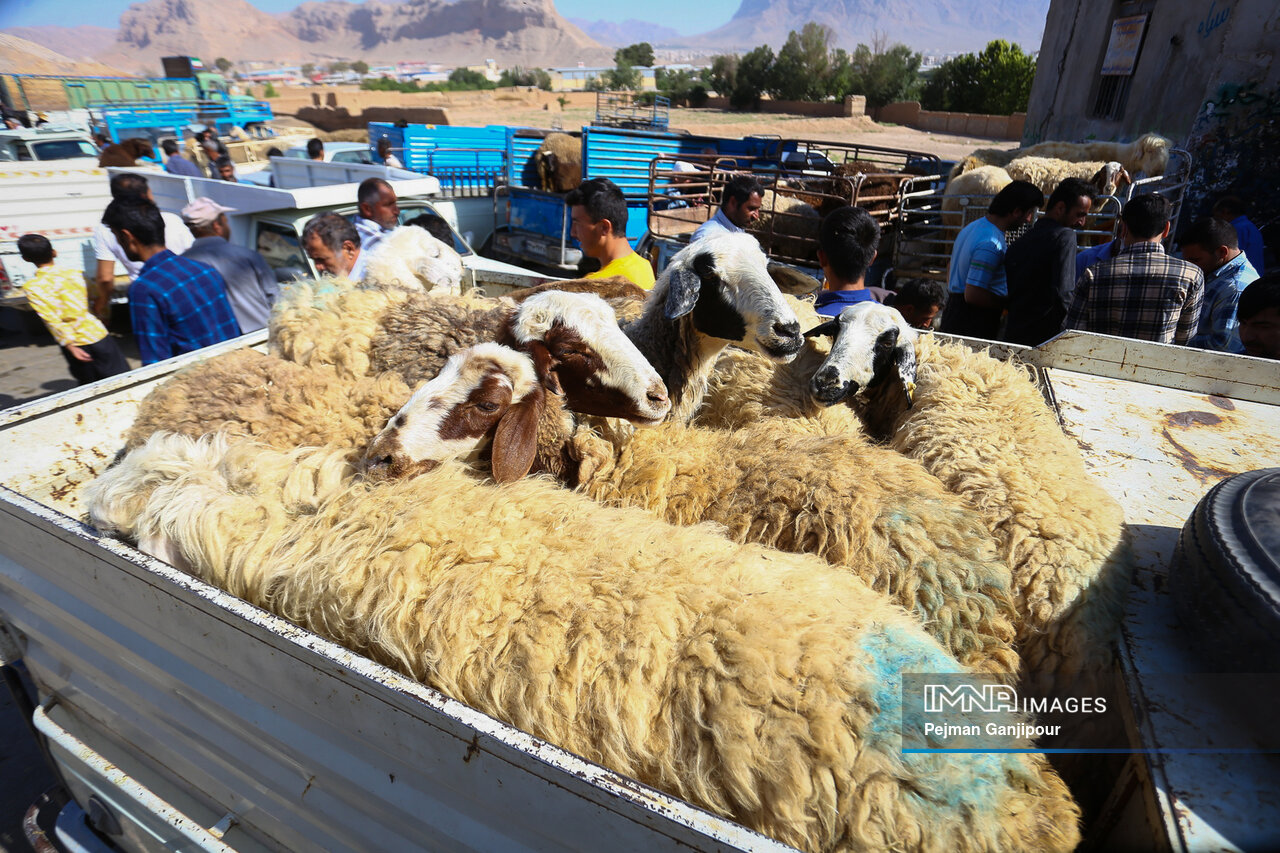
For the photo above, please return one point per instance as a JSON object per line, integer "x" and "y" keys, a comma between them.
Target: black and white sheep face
{"x": 724, "y": 282}
{"x": 576, "y": 337}
{"x": 872, "y": 342}
{"x": 456, "y": 414}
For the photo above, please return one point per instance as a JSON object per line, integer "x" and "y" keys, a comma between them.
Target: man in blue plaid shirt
{"x": 1212, "y": 245}
{"x": 1141, "y": 292}
{"x": 176, "y": 305}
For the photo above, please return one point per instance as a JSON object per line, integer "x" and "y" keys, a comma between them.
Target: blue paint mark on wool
{"x": 946, "y": 781}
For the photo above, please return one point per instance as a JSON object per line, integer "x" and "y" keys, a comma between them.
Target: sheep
{"x": 1046, "y": 173}
{"x": 126, "y": 153}
{"x": 575, "y": 339}
{"x": 745, "y": 388}
{"x": 788, "y": 227}
{"x": 982, "y": 157}
{"x": 410, "y": 257}
{"x": 277, "y": 402}
{"x": 761, "y": 686}
{"x": 982, "y": 427}
{"x": 559, "y": 163}
{"x": 330, "y": 322}
{"x": 714, "y": 292}
{"x": 979, "y": 184}
{"x": 1148, "y": 154}
{"x": 624, "y": 297}
{"x": 869, "y": 510}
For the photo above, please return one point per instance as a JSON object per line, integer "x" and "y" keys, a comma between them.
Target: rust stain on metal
{"x": 308, "y": 788}
{"x": 1222, "y": 402}
{"x": 473, "y": 749}
{"x": 1187, "y": 419}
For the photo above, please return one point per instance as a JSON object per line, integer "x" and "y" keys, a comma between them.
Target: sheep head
{"x": 871, "y": 342}
{"x": 723, "y": 282}
{"x": 1110, "y": 178}
{"x": 575, "y": 342}
{"x": 485, "y": 394}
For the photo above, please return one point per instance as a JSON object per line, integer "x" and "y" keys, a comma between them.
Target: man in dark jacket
{"x": 1041, "y": 266}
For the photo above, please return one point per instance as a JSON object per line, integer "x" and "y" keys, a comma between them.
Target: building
{"x": 1202, "y": 74}
{"x": 574, "y": 79}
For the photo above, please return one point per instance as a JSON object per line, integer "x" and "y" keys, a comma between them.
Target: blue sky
{"x": 677, "y": 14}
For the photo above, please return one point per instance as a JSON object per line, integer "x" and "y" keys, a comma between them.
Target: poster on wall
{"x": 1122, "y": 49}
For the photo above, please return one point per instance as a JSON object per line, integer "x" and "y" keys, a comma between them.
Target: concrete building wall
{"x": 1189, "y": 50}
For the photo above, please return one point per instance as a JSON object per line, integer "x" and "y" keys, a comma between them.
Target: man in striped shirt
{"x": 61, "y": 300}
{"x": 177, "y": 305}
{"x": 1141, "y": 292}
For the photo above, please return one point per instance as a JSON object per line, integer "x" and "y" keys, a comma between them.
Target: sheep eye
{"x": 487, "y": 407}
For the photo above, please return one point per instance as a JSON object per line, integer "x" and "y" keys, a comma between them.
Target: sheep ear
{"x": 831, "y": 329}
{"x": 544, "y": 366}
{"x": 907, "y": 370}
{"x": 682, "y": 292}
{"x": 515, "y": 443}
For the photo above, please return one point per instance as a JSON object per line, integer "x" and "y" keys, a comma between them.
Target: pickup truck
{"x": 270, "y": 220}
{"x": 180, "y": 717}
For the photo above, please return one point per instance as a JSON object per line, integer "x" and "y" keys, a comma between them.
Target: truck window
{"x": 353, "y": 157}
{"x": 281, "y": 247}
{"x": 62, "y": 149}
{"x": 7, "y": 152}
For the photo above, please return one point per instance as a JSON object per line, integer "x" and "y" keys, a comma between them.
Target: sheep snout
{"x": 828, "y": 388}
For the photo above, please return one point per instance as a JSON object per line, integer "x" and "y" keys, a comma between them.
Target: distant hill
{"x": 80, "y": 43}
{"x": 941, "y": 25}
{"x": 530, "y": 33}
{"x": 21, "y": 56}
{"x": 630, "y": 31}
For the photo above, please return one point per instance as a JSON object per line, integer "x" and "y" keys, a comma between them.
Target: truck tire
{"x": 1225, "y": 574}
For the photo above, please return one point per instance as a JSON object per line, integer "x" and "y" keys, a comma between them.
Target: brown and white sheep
{"x": 869, "y": 510}
{"x": 762, "y": 686}
{"x": 559, "y": 163}
{"x": 1047, "y": 172}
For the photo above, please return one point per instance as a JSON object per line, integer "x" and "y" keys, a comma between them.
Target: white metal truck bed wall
{"x": 219, "y": 707}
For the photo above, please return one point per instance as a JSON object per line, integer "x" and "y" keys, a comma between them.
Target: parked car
{"x": 45, "y": 143}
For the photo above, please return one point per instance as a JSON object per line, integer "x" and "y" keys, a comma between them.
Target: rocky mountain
{"x": 80, "y": 43}
{"x": 21, "y": 56}
{"x": 630, "y": 31}
{"x": 942, "y": 25}
{"x": 456, "y": 32}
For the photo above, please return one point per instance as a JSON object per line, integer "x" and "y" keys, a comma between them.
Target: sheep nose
{"x": 786, "y": 330}
{"x": 657, "y": 394}
{"x": 825, "y": 376}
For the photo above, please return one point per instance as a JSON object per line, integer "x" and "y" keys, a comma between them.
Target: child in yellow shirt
{"x": 59, "y": 297}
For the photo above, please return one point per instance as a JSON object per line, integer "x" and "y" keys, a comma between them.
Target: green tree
{"x": 622, "y": 77}
{"x": 997, "y": 81}
{"x": 635, "y": 55}
{"x": 882, "y": 76}
{"x": 722, "y": 76}
{"x": 467, "y": 78}
{"x": 754, "y": 74}
{"x": 801, "y": 70}
{"x": 338, "y": 66}
{"x": 307, "y": 69}
{"x": 595, "y": 84}
{"x": 269, "y": 91}
{"x": 223, "y": 64}
{"x": 526, "y": 77}
{"x": 360, "y": 67}
{"x": 680, "y": 86}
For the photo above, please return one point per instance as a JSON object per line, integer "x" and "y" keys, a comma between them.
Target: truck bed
{"x": 222, "y": 709}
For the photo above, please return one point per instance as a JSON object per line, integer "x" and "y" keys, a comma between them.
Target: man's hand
{"x": 78, "y": 354}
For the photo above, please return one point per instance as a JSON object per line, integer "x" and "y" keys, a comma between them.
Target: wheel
{"x": 1225, "y": 575}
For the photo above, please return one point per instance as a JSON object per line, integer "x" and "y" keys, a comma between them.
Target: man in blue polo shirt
{"x": 847, "y": 243}
{"x": 176, "y": 305}
{"x": 976, "y": 286}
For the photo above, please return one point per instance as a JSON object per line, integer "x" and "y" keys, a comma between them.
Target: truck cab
{"x": 45, "y": 143}
{"x": 270, "y": 220}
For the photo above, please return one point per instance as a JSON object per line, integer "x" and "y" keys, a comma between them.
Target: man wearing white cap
{"x": 251, "y": 285}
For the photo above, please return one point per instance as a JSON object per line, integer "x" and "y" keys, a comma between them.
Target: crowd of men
{"x": 191, "y": 287}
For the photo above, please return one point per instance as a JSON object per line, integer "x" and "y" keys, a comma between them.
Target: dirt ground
{"x": 707, "y": 122}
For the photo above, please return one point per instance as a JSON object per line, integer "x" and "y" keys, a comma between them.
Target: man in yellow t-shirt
{"x": 599, "y": 213}
{"x": 61, "y": 300}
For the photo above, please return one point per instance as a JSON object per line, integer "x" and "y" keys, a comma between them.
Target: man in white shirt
{"x": 739, "y": 207}
{"x": 106, "y": 248}
{"x": 385, "y": 155}
{"x": 379, "y": 211}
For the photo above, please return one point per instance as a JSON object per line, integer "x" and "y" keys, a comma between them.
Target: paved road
{"x": 31, "y": 367}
